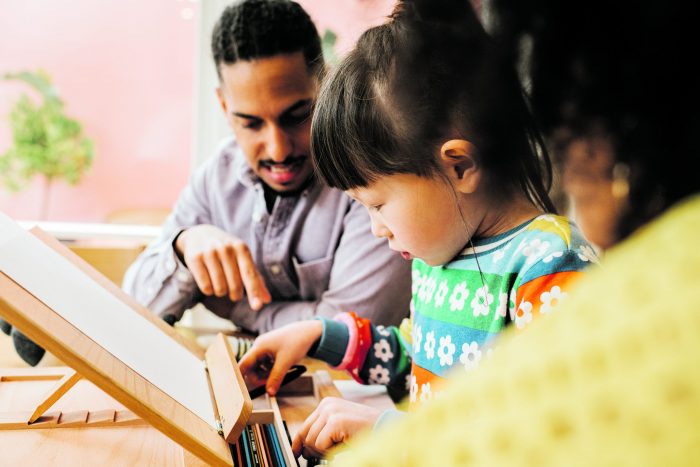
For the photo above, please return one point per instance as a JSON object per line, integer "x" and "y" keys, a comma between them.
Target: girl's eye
{"x": 376, "y": 207}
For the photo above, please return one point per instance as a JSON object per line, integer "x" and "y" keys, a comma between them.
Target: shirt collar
{"x": 484, "y": 244}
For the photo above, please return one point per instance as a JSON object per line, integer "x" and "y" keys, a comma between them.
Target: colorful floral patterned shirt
{"x": 458, "y": 308}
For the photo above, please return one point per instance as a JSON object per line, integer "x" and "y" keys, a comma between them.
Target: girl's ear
{"x": 458, "y": 158}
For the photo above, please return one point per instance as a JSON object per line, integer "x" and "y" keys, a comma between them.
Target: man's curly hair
{"x": 252, "y": 29}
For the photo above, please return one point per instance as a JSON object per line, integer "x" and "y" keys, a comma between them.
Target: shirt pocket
{"x": 313, "y": 277}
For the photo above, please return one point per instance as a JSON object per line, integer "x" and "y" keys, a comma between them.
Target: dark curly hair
{"x": 624, "y": 68}
{"x": 253, "y": 29}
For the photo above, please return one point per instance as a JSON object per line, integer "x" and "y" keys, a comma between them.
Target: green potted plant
{"x": 328, "y": 42}
{"x": 46, "y": 142}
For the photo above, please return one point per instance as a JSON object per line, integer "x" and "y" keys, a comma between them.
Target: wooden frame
{"x": 146, "y": 403}
{"x": 112, "y": 288}
{"x": 90, "y": 360}
{"x": 296, "y": 401}
{"x": 65, "y": 379}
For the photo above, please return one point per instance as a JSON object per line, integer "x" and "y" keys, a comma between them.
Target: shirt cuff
{"x": 334, "y": 340}
{"x": 174, "y": 267}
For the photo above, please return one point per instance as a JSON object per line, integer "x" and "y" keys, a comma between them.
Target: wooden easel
{"x": 146, "y": 402}
{"x": 40, "y": 419}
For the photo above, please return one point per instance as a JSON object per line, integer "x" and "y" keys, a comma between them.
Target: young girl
{"x": 425, "y": 126}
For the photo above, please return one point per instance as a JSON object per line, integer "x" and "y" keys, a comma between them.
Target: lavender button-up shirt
{"x": 315, "y": 251}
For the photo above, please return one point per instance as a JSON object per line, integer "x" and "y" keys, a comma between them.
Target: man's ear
{"x": 458, "y": 158}
{"x": 222, "y": 100}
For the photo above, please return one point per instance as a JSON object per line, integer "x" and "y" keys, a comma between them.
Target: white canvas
{"x": 115, "y": 326}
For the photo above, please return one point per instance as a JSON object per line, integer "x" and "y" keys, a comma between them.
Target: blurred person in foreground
{"x": 611, "y": 88}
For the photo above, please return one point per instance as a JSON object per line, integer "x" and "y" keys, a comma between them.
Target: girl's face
{"x": 418, "y": 216}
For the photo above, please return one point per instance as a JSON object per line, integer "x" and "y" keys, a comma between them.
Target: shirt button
{"x": 275, "y": 268}
{"x": 257, "y": 216}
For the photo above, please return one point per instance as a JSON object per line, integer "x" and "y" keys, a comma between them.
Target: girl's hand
{"x": 333, "y": 422}
{"x": 273, "y": 353}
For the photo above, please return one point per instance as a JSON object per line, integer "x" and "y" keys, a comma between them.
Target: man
{"x": 254, "y": 236}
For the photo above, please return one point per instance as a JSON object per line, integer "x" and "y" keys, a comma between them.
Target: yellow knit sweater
{"x": 611, "y": 379}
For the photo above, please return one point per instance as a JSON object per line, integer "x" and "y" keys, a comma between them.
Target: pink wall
{"x": 125, "y": 69}
{"x": 347, "y": 18}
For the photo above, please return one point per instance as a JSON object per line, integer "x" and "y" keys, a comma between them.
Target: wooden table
{"x": 114, "y": 446}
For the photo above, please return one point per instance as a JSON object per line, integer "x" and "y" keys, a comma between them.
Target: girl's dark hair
{"x": 251, "y": 29}
{"x": 622, "y": 68}
{"x": 430, "y": 74}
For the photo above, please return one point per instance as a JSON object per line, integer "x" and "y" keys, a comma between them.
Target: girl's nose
{"x": 379, "y": 230}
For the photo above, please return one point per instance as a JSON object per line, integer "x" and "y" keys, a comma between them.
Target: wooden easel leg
{"x": 63, "y": 385}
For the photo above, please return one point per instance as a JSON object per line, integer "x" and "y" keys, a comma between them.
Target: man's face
{"x": 587, "y": 179}
{"x": 268, "y": 103}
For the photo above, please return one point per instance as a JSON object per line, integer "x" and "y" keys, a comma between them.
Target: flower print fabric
{"x": 458, "y": 308}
